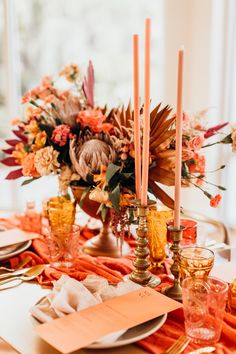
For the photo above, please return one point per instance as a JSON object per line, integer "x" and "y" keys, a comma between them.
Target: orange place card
{"x": 225, "y": 271}
{"x": 82, "y": 328}
{"x": 13, "y": 236}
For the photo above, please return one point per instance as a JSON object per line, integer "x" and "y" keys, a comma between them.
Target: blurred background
{"x": 39, "y": 37}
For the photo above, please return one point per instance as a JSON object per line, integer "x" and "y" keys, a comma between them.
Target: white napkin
{"x": 69, "y": 295}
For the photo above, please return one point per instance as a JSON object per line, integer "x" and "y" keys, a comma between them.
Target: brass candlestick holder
{"x": 141, "y": 274}
{"x": 175, "y": 291}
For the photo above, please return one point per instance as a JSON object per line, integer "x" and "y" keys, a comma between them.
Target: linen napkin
{"x": 69, "y": 295}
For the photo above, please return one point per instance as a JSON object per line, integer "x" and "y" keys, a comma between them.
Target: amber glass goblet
{"x": 59, "y": 211}
{"x": 195, "y": 262}
{"x": 157, "y": 233}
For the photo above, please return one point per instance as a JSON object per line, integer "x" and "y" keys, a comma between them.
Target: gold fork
{"x": 31, "y": 274}
{"x": 178, "y": 346}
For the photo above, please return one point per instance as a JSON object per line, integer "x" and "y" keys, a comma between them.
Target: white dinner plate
{"x": 8, "y": 252}
{"x": 132, "y": 335}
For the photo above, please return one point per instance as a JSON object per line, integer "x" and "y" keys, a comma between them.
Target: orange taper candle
{"x": 146, "y": 125}
{"x": 137, "y": 148}
{"x": 178, "y": 147}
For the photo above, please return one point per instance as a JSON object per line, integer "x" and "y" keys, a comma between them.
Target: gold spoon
{"x": 31, "y": 274}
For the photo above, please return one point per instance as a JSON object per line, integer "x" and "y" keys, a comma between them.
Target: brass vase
{"x": 105, "y": 243}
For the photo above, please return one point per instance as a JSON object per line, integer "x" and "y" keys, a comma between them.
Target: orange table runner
{"x": 114, "y": 270}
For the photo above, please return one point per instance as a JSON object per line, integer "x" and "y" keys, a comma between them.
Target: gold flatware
{"x": 17, "y": 272}
{"x": 178, "y": 346}
{"x": 31, "y": 274}
{"x": 20, "y": 265}
{"x": 203, "y": 350}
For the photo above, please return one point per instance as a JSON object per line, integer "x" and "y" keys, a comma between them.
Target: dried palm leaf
{"x": 162, "y": 133}
{"x": 157, "y": 132}
{"x": 161, "y": 195}
{"x": 153, "y": 115}
{"x": 161, "y": 117}
{"x": 163, "y": 176}
{"x": 163, "y": 142}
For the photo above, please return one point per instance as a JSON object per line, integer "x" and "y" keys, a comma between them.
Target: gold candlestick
{"x": 175, "y": 291}
{"x": 141, "y": 274}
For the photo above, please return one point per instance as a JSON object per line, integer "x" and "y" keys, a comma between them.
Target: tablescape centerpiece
{"x": 96, "y": 151}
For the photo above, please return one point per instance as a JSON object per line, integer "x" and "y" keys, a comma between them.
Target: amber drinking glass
{"x": 59, "y": 211}
{"x": 204, "y": 305}
{"x": 157, "y": 233}
{"x": 189, "y": 233}
{"x": 195, "y": 262}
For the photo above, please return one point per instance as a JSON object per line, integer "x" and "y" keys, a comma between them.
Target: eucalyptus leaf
{"x": 99, "y": 209}
{"x": 28, "y": 181}
{"x": 85, "y": 192}
{"x": 127, "y": 175}
{"x": 112, "y": 169}
{"x": 104, "y": 211}
{"x": 115, "y": 197}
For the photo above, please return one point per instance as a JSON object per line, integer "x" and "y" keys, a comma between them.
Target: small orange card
{"x": 13, "y": 236}
{"x": 82, "y": 328}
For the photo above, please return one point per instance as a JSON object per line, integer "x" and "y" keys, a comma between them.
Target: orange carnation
{"x": 29, "y": 167}
{"x": 214, "y": 202}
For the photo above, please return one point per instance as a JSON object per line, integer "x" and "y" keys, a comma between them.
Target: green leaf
{"x": 47, "y": 128}
{"x": 184, "y": 171}
{"x": 58, "y": 121}
{"x": 89, "y": 179}
{"x": 27, "y": 181}
{"x": 228, "y": 139}
{"x": 83, "y": 195}
{"x": 115, "y": 197}
{"x": 54, "y": 107}
{"x": 104, "y": 211}
{"x": 112, "y": 169}
{"x": 127, "y": 175}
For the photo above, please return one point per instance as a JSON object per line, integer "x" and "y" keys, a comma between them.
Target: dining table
{"x": 17, "y": 330}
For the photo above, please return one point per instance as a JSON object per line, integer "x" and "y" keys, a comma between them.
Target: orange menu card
{"x": 80, "y": 329}
{"x": 13, "y": 236}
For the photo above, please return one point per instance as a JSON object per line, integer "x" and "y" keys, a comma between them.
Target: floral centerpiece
{"x": 65, "y": 133}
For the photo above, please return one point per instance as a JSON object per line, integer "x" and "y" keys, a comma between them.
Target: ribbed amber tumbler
{"x": 59, "y": 211}
{"x": 157, "y": 233}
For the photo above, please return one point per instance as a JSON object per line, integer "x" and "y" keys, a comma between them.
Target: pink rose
{"x": 196, "y": 142}
{"x": 187, "y": 154}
